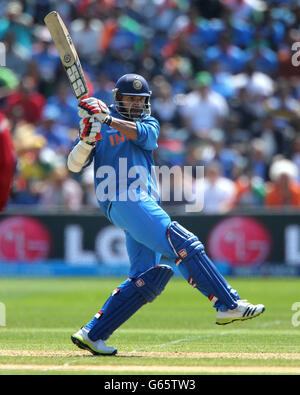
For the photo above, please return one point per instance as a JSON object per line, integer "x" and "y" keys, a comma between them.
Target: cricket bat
{"x": 67, "y": 53}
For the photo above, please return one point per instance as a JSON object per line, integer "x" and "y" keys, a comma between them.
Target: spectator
{"x": 265, "y": 60}
{"x": 210, "y": 30}
{"x": 274, "y": 139}
{"x": 86, "y": 33}
{"x": 218, "y": 192}
{"x": 19, "y": 23}
{"x": 283, "y": 191}
{"x": 231, "y": 58}
{"x": 217, "y": 151}
{"x": 203, "y": 109}
{"x": 250, "y": 193}
{"x": 171, "y": 146}
{"x": 283, "y": 106}
{"x": 222, "y": 81}
{"x": 65, "y": 103}
{"x": 15, "y": 59}
{"x": 57, "y": 135}
{"x": 26, "y": 140}
{"x": 241, "y": 9}
{"x": 163, "y": 105}
{"x": 250, "y": 189}
{"x": 47, "y": 61}
{"x": 32, "y": 170}
{"x": 296, "y": 154}
{"x": 274, "y": 30}
{"x": 243, "y": 111}
{"x": 257, "y": 84}
{"x": 61, "y": 191}
{"x": 258, "y": 160}
{"x": 26, "y": 104}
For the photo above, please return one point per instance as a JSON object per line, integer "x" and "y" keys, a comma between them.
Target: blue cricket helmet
{"x": 132, "y": 85}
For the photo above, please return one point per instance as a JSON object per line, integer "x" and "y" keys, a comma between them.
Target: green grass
{"x": 43, "y": 313}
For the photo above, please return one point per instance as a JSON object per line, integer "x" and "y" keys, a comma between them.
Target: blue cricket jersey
{"x": 124, "y": 166}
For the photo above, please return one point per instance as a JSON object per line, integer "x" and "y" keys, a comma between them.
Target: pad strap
{"x": 202, "y": 272}
{"x": 127, "y": 299}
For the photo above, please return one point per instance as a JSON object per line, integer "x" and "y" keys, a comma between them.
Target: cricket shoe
{"x": 81, "y": 340}
{"x": 244, "y": 311}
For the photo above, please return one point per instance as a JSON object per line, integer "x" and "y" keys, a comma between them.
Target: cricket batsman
{"x": 126, "y": 130}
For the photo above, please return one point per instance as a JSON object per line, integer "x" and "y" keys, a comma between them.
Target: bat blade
{"x": 67, "y": 53}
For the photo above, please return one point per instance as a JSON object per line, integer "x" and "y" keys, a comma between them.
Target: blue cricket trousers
{"x": 145, "y": 224}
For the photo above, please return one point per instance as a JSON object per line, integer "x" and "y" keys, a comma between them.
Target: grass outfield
{"x": 174, "y": 335}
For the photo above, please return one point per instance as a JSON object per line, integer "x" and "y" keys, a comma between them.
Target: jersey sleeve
{"x": 148, "y": 132}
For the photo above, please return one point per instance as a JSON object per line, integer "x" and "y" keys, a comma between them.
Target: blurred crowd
{"x": 224, "y": 90}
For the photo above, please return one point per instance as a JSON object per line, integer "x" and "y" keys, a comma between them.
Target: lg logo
{"x": 296, "y": 55}
{"x": 296, "y": 316}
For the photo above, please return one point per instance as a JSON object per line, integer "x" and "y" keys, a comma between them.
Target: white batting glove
{"x": 92, "y": 107}
{"x": 89, "y": 131}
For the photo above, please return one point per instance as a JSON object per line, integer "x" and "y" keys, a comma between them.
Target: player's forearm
{"x": 127, "y": 127}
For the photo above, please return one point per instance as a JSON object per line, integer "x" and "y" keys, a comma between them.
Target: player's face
{"x": 133, "y": 105}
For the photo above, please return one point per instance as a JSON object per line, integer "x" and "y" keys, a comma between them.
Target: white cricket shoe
{"x": 244, "y": 311}
{"x": 81, "y": 340}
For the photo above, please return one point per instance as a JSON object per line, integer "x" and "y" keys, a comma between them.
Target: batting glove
{"x": 93, "y": 107}
{"x": 90, "y": 131}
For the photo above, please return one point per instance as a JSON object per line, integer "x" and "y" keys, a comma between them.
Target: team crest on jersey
{"x": 137, "y": 84}
{"x": 140, "y": 283}
{"x": 182, "y": 253}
